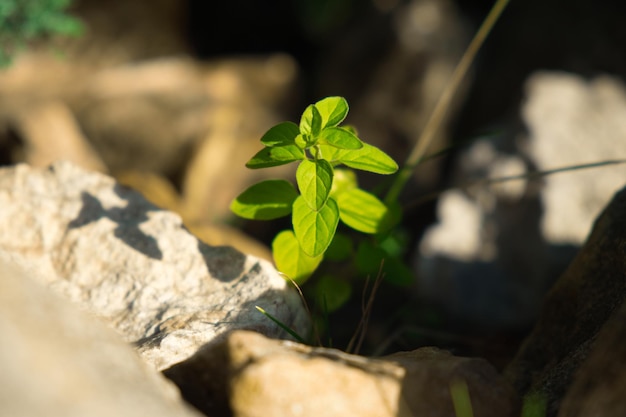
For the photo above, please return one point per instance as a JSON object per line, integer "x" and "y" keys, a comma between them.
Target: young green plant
{"x": 325, "y": 193}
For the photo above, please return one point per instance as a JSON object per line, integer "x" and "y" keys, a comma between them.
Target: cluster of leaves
{"x": 22, "y": 21}
{"x": 326, "y": 193}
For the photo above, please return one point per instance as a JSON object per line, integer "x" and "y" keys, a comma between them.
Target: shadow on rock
{"x": 128, "y": 220}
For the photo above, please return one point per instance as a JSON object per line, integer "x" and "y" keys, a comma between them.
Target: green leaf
{"x": 332, "y": 293}
{"x": 315, "y": 179}
{"x": 395, "y": 243}
{"x": 301, "y": 142}
{"x": 351, "y": 129}
{"x": 340, "y": 248}
{"x": 369, "y": 259}
{"x": 291, "y": 260}
{"x": 339, "y": 138}
{"x": 306, "y": 121}
{"x": 362, "y": 211}
{"x": 333, "y": 110}
{"x": 282, "y": 134}
{"x": 316, "y": 122}
{"x": 279, "y": 155}
{"x": 265, "y": 200}
{"x": 368, "y": 158}
{"x": 314, "y": 229}
{"x": 343, "y": 179}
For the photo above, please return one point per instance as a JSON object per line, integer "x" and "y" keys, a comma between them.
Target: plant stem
{"x": 436, "y": 117}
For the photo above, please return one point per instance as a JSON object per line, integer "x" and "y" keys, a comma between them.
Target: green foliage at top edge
{"x": 22, "y": 21}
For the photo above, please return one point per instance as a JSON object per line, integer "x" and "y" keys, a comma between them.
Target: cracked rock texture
{"x": 105, "y": 247}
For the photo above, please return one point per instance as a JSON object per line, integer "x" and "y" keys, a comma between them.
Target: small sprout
{"x": 325, "y": 194}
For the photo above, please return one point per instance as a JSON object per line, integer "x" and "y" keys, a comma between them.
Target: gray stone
{"x": 281, "y": 378}
{"x": 497, "y": 248}
{"x": 57, "y": 361}
{"x": 106, "y": 248}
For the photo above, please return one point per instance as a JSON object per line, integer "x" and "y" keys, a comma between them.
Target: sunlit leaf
{"x": 362, "y": 211}
{"x": 343, "y": 179}
{"x": 279, "y": 155}
{"x": 306, "y": 120}
{"x": 301, "y": 142}
{"x": 368, "y": 158}
{"x": 265, "y": 200}
{"x": 333, "y": 110}
{"x": 315, "y": 179}
{"x": 314, "y": 229}
{"x": 351, "y": 129}
{"x": 291, "y": 260}
{"x": 282, "y": 134}
{"x": 339, "y": 138}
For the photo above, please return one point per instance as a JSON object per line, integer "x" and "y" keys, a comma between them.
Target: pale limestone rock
{"x": 280, "y": 378}
{"x": 106, "y": 248}
{"x": 57, "y": 361}
{"x": 573, "y": 121}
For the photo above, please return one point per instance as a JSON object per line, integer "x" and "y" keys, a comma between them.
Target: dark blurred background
{"x": 171, "y": 97}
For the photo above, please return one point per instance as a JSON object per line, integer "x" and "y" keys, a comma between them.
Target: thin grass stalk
{"x": 443, "y": 104}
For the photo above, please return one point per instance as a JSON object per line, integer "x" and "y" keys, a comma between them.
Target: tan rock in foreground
{"x": 265, "y": 377}
{"x": 57, "y": 361}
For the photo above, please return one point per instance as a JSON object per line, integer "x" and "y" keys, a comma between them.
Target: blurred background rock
{"x": 171, "y": 97}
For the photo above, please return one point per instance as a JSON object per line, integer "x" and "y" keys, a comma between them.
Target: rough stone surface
{"x": 105, "y": 247}
{"x": 600, "y": 383}
{"x": 580, "y": 322}
{"x": 162, "y": 193}
{"x": 56, "y": 361}
{"x": 277, "y": 378}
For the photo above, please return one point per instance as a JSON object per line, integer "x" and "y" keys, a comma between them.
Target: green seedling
{"x": 327, "y": 191}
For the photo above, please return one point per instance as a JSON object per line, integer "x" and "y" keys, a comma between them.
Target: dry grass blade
{"x": 442, "y": 106}
{"x": 354, "y": 346}
{"x": 316, "y": 335}
{"x": 533, "y": 175}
